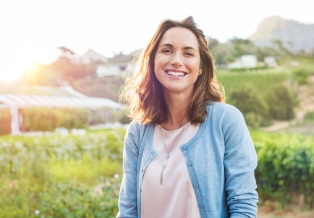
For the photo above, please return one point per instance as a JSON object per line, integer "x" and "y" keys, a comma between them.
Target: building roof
{"x": 35, "y": 90}
{"x": 53, "y": 97}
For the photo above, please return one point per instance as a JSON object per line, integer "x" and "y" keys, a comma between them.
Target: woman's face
{"x": 177, "y": 61}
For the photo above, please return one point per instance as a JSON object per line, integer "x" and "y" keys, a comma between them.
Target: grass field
{"x": 261, "y": 80}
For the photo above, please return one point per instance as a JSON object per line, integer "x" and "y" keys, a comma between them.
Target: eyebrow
{"x": 170, "y": 45}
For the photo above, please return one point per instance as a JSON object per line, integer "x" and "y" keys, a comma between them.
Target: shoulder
{"x": 224, "y": 115}
{"x": 220, "y": 109}
{"x": 134, "y": 127}
{"x": 135, "y": 131}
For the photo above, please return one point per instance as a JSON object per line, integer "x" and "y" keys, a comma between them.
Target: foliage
{"x": 74, "y": 200}
{"x": 48, "y": 119}
{"x": 16, "y": 152}
{"x": 125, "y": 119}
{"x": 252, "y": 105}
{"x": 43, "y": 119}
{"x": 121, "y": 116}
{"x": 225, "y": 53}
{"x": 247, "y": 70}
{"x": 280, "y": 103}
{"x": 285, "y": 167}
{"x": 261, "y": 80}
{"x": 74, "y": 118}
{"x": 302, "y": 75}
{"x": 309, "y": 117}
{"x": 54, "y": 176}
{"x": 42, "y": 175}
{"x": 260, "y": 95}
{"x": 67, "y": 200}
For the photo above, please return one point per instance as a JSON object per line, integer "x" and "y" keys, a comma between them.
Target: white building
{"x": 245, "y": 61}
{"x": 118, "y": 65}
{"x": 270, "y": 61}
{"x": 39, "y": 96}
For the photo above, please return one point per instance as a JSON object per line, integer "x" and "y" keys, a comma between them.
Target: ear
{"x": 200, "y": 71}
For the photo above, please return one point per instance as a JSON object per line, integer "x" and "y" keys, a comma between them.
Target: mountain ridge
{"x": 294, "y": 35}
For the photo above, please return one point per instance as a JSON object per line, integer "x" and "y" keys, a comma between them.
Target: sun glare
{"x": 26, "y": 63}
{"x": 10, "y": 73}
{"x": 13, "y": 72}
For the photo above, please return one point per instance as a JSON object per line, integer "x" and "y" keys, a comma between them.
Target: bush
{"x": 280, "y": 103}
{"x": 285, "y": 167}
{"x": 48, "y": 119}
{"x": 251, "y": 104}
{"x": 309, "y": 117}
{"x": 71, "y": 118}
{"x": 121, "y": 116}
{"x": 302, "y": 75}
{"x": 36, "y": 174}
{"x": 55, "y": 176}
{"x": 248, "y": 69}
{"x": 59, "y": 200}
{"x": 74, "y": 200}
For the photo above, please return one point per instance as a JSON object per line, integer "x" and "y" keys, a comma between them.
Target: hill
{"x": 294, "y": 35}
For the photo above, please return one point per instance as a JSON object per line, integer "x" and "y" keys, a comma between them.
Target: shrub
{"x": 285, "y": 167}
{"x": 302, "y": 75}
{"x": 309, "y": 117}
{"x": 48, "y": 119}
{"x": 251, "y": 104}
{"x": 262, "y": 80}
{"x": 41, "y": 119}
{"x": 28, "y": 183}
{"x": 71, "y": 118}
{"x": 75, "y": 200}
{"x": 121, "y": 116}
{"x": 54, "y": 176}
{"x": 67, "y": 200}
{"x": 280, "y": 103}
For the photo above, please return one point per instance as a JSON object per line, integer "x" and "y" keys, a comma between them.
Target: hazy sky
{"x": 31, "y": 30}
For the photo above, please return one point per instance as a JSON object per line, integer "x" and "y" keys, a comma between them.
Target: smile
{"x": 176, "y": 73}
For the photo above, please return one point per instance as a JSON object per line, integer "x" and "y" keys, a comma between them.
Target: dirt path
{"x": 269, "y": 211}
{"x": 305, "y": 95}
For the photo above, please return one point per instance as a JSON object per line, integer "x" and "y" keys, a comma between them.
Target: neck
{"x": 177, "y": 111}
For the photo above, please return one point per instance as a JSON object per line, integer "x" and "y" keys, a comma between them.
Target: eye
{"x": 166, "y": 51}
{"x": 189, "y": 54}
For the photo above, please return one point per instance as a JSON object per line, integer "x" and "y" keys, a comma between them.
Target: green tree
{"x": 280, "y": 103}
{"x": 41, "y": 119}
{"x": 252, "y": 105}
{"x": 48, "y": 119}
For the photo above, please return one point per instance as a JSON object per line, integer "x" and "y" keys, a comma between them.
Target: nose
{"x": 176, "y": 59}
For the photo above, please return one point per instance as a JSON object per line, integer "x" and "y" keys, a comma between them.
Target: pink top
{"x": 175, "y": 197}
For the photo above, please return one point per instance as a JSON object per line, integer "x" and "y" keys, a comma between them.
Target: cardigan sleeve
{"x": 128, "y": 191}
{"x": 240, "y": 161}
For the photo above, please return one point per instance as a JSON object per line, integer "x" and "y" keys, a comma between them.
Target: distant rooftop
{"x": 35, "y": 90}
{"x": 36, "y": 96}
{"x": 120, "y": 58}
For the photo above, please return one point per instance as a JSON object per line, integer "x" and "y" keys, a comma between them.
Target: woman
{"x": 186, "y": 153}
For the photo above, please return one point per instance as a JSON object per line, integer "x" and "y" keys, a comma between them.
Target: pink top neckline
{"x": 175, "y": 197}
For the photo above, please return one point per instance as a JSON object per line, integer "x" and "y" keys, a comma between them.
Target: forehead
{"x": 179, "y": 36}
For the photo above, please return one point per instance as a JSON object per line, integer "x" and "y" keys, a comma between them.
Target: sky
{"x": 31, "y": 30}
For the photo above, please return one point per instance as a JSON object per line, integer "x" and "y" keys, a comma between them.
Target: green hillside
{"x": 261, "y": 80}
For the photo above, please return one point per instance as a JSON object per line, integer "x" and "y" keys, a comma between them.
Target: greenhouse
{"x": 34, "y": 96}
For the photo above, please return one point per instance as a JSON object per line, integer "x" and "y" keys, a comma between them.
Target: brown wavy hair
{"x": 143, "y": 92}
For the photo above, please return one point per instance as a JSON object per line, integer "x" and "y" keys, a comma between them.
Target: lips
{"x": 176, "y": 73}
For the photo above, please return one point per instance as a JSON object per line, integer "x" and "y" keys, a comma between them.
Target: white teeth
{"x": 175, "y": 73}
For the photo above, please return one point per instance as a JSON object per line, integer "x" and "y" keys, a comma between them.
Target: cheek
{"x": 195, "y": 65}
{"x": 159, "y": 64}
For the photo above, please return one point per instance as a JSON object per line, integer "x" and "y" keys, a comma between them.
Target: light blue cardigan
{"x": 220, "y": 158}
